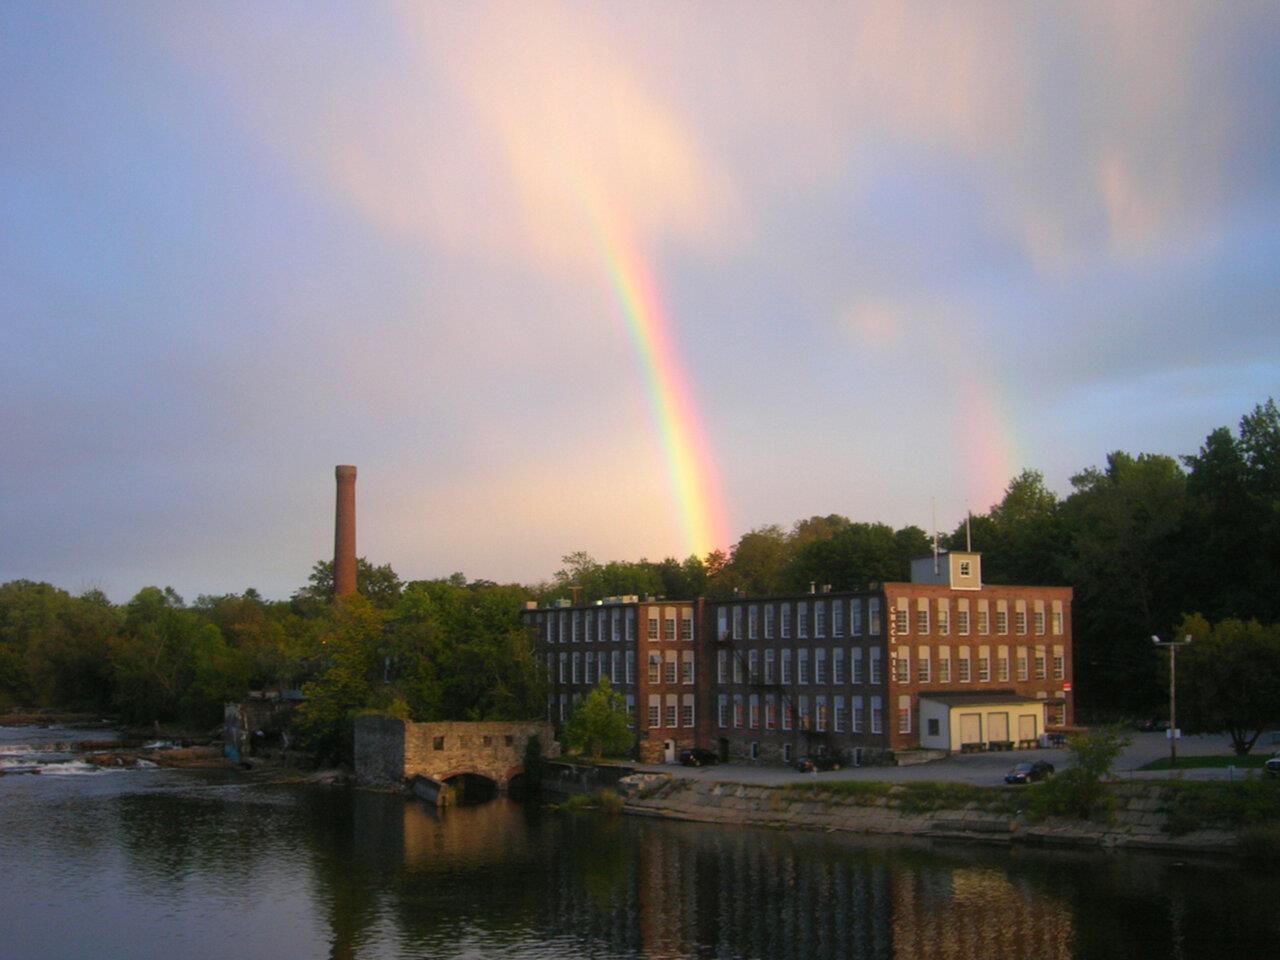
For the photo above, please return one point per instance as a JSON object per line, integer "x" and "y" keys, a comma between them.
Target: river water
{"x": 179, "y": 865}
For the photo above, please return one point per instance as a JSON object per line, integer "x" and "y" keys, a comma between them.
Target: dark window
{"x": 437, "y": 743}
{"x": 934, "y": 728}
{"x": 509, "y": 739}
{"x": 488, "y": 741}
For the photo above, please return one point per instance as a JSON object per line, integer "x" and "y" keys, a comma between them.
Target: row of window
{"x": 590, "y": 666}
{"x": 836, "y": 713}
{"x": 940, "y": 607}
{"x": 925, "y": 664}
{"x": 612, "y": 623}
{"x": 789, "y": 665}
{"x": 779, "y": 616}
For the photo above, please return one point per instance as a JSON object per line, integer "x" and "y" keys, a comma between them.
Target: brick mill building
{"x": 943, "y": 662}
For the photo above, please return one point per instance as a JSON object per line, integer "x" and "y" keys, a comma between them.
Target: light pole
{"x": 1173, "y": 646}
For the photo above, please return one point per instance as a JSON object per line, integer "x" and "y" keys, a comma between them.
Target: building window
{"x": 837, "y": 714}
{"x": 820, "y": 665}
{"x": 984, "y": 664}
{"x": 768, "y": 621}
{"x": 962, "y": 621}
{"x": 589, "y": 626}
{"x": 786, "y": 668}
{"x": 686, "y": 625}
{"x": 855, "y": 618}
{"x": 655, "y": 666}
{"x": 577, "y": 625}
{"x": 820, "y": 712}
{"x": 964, "y": 572}
{"x": 722, "y": 621}
{"x": 787, "y": 713}
{"x": 755, "y": 749}
{"x": 577, "y": 667}
{"x": 802, "y": 665}
{"x": 753, "y": 622}
{"x": 922, "y": 665}
{"x": 837, "y": 665}
{"x": 786, "y": 622}
{"x": 1022, "y": 663}
{"x": 1039, "y": 614}
{"x": 855, "y": 666}
{"x": 786, "y": 753}
{"x": 984, "y": 623}
{"x": 669, "y": 674}
{"x": 615, "y": 625}
{"x": 1057, "y": 618}
{"x": 837, "y": 618}
{"x": 669, "y": 624}
{"x": 753, "y": 666}
{"x": 944, "y": 664}
{"x": 769, "y": 666}
{"x": 722, "y": 711}
{"x": 1021, "y": 621}
{"x": 631, "y": 624}
{"x": 564, "y": 707}
{"x": 944, "y": 617}
{"x": 753, "y": 711}
{"x": 686, "y": 666}
{"x": 855, "y": 715}
{"x": 653, "y": 628}
{"x": 589, "y": 668}
{"x": 737, "y": 668}
{"x": 722, "y": 666}
{"x": 686, "y": 710}
{"x": 802, "y": 621}
{"x": 877, "y": 715}
{"x": 770, "y": 711}
{"x": 437, "y": 743}
{"x": 904, "y": 714}
{"x": 935, "y": 728}
{"x": 737, "y": 623}
{"x": 820, "y": 619}
{"x": 901, "y": 624}
{"x": 964, "y": 665}
{"x": 1002, "y": 621}
{"x": 1040, "y": 675}
{"x": 672, "y": 711}
{"x": 1059, "y": 664}
{"x": 631, "y": 705}
{"x": 802, "y": 711}
{"x": 615, "y": 663}
{"x": 902, "y": 665}
{"x": 655, "y": 711}
{"x": 922, "y": 617}
{"x": 873, "y": 616}
{"x": 631, "y": 666}
{"x": 738, "y": 717}
{"x": 564, "y": 661}
{"x": 875, "y": 666}
{"x": 1002, "y": 664}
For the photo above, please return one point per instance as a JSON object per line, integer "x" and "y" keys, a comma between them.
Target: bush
{"x": 1209, "y": 805}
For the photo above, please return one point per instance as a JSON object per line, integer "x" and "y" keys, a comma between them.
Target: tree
{"x": 1230, "y": 679}
{"x": 599, "y": 723}
{"x": 380, "y": 585}
{"x": 757, "y": 563}
{"x": 1079, "y": 791}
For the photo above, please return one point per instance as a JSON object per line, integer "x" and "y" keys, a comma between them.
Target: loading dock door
{"x": 1027, "y": 727}
{"x": 998, "y": 727}
{"x": 970, "y": 728}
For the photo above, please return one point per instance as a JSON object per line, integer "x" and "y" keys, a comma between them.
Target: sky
{"x": 629, "y": 279}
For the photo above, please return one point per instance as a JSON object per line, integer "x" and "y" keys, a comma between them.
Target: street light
{"x": 1173, "y": 646}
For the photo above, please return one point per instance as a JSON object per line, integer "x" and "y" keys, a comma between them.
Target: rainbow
{"x": 691, "y": 471}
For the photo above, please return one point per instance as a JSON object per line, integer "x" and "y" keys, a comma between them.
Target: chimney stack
{"x": 344, "y": 533}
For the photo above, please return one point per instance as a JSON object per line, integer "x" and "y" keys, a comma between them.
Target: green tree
{"x": 757, "y": 563}
{"x": 379, "y": 585}
{"x": 1229, "y": 679}
{"x": 599, "y": 723}
{"x": 1080, "y": 791}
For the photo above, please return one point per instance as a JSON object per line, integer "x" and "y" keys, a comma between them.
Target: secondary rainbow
{"x": 691, "y": 471}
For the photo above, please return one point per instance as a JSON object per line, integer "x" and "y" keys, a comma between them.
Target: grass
{"x": 1214, "y": 804}
{"x": 1249, "y": 761}
{"x": 922, "y": 797}
{"x": 606, "y": 800}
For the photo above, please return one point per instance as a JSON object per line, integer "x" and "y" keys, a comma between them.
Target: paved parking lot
{"x": 984, "y": 769}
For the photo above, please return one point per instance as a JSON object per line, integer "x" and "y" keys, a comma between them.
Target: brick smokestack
{"x": 344, "y": 533}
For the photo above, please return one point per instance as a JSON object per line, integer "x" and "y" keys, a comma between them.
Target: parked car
{"x": 1272, "y": 767}
{"x": 1029, "y": 772}
{"x": 826, "y": 761}
{"x": 698, "y": 757}
{"x": 1154, "y": 725}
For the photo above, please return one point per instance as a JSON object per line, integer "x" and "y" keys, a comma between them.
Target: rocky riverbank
{"x": 1138, "y": 820}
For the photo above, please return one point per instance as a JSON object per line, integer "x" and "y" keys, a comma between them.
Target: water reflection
{"x": 211, "y": 868}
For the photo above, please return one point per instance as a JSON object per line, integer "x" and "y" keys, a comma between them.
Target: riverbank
{"x": 1138, "y": 821}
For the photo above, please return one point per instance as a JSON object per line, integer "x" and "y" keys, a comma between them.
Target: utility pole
{"x": 1173, "y": 646}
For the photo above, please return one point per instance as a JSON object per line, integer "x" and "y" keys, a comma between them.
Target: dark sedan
{"x": 697, "y": 757}
{"x": 1029, "y": 772}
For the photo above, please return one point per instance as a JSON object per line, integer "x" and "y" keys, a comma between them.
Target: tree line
{"x": 1151, "y": 544}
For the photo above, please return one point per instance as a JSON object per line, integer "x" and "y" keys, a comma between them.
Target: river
{"x": 182, "y": 865}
